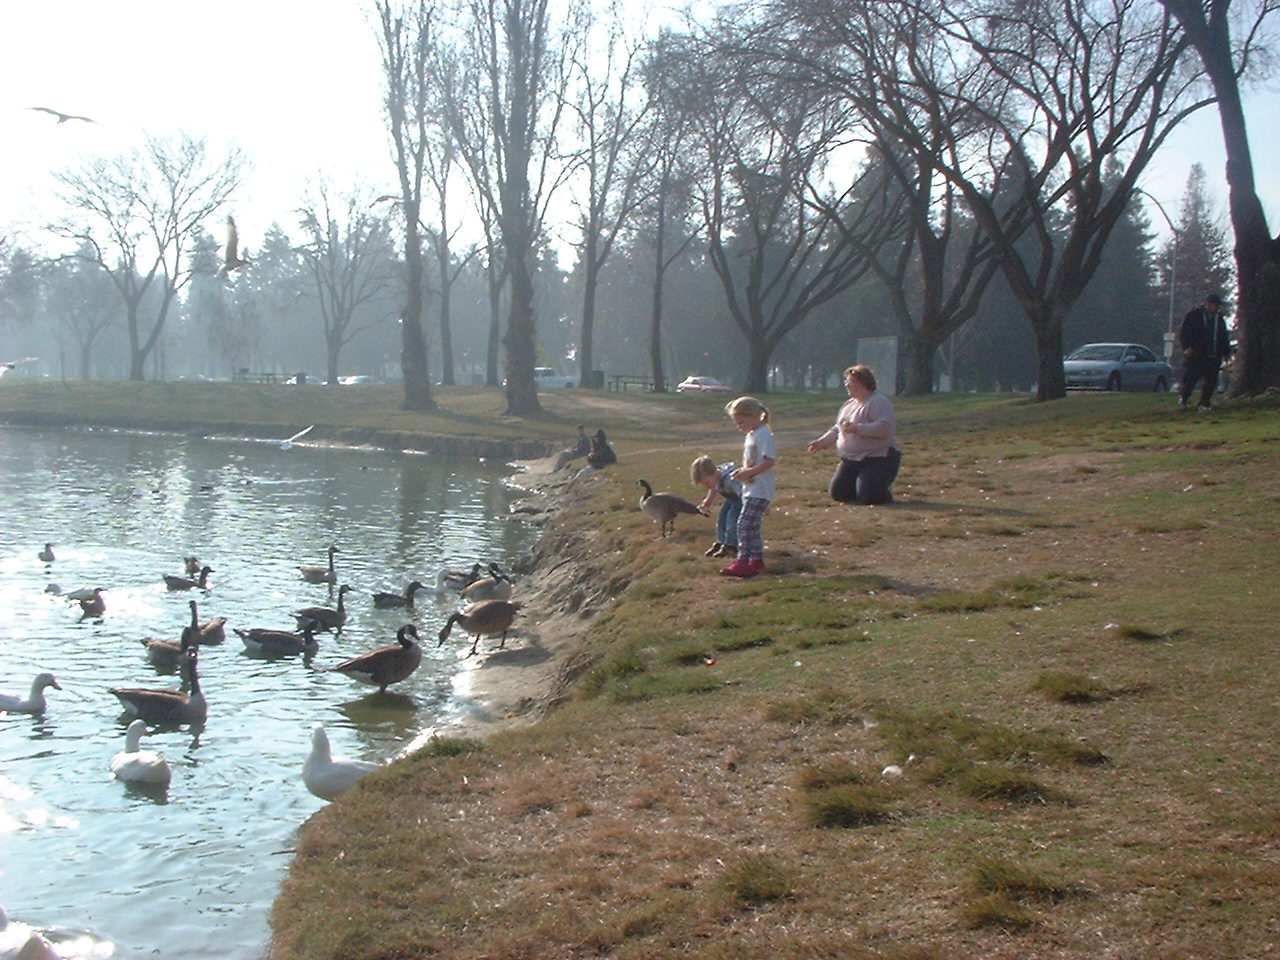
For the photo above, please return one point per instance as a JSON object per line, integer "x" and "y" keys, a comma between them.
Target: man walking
{"x": 1204, "y": 345}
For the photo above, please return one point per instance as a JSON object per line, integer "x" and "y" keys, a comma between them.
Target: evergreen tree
{"x": 1200, "y": 254}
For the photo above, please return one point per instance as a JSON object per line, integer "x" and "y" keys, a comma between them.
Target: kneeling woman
{"x": 864, "y": 437}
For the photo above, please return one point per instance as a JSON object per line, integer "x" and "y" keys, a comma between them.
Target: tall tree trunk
{"x": 413, "y": 344}
{"x": 591, "y": 284}
{"x": 1051, "y": 379}
{"x": 522, "y": 392}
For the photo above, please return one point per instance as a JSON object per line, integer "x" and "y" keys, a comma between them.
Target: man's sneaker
{"x": 738, "y": 568}
{"x": 754, "y": 567}
{"x": 1203, "y": 407}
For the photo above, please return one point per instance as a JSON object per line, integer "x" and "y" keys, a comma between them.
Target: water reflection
{"x": 125, "y": 509}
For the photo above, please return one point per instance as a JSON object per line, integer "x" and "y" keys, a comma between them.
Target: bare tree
{"x": 347, "y": 253}
{"x": 779, "y": 238}
{"x": 1227, "y": 61}
{"x": 868, "y": 55}
{"x": 407, "y": 43}
{"x": 609, "y": 110}
{"x": 505, "y": 116}
{"x": 137, "y": 217}
{"x": 80, "y": 295}
{"x": 1052, "y": 92}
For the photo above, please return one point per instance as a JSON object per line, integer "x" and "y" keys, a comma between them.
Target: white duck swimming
{"x": 21, "y": 941}
{"x": 135, "y": 765}
{"x": 35, "y": 703}
{"x": 327, "y": 776}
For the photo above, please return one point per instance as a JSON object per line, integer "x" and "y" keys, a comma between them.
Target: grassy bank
{"x": 1062, "y": 635}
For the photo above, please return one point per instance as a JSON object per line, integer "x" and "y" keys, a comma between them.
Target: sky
{"x": 296, "y": 85}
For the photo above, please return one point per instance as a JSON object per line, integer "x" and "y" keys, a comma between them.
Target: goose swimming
{"x": 167, "y": 706}
{"x": 315, "y": 574}
{"x": 35, "y": 702}
{"x": 325, "y": 618}
{"x": 135, "y": 765}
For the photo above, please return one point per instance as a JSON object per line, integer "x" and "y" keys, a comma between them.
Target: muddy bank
{"x": 561, "y": 586}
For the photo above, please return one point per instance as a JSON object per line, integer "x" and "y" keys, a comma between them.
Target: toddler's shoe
{"x": 738, "y": 568}
{"x": 714, "y": 550}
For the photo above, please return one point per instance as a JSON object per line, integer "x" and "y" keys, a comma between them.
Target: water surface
{"x": 191, "y": 872}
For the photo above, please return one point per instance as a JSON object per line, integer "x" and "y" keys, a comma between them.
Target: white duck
{"x": 327, "y": 776}
{"x": 35, "y": 703}
{"x": 21, "y": 941}
{"x": 135, "y": 765}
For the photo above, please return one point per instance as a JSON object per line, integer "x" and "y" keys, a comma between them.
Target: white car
{"x": 545, "y": 378}
{"x": 702, "y": 385}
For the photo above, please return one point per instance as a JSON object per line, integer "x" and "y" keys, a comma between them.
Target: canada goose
{"x": 313, "y": 574}
{"x": 324, "y": 618}
{"x": 497, "y": 586}
{"x": 457, "y": 579}
{"x": 327, "y": 776}
{"x": 80, "y": 593}
{"x": 134, "y": 765}
{"x": 166, "y": 654}
{"x": 387, "y": 600}
{"x": 93, "y": 605}
{"x": 484, "y": 619}
{"x": 663, "y": 508}
{"x": 386, "y": 665}
{"x": 167, "y": 706}
{"x": 46, "y": 555}
{"x": 280, "y": 643}
{"x": 231, "y": 259}
{"x": 35, "y": 703}
{"x": 186, "y": 583}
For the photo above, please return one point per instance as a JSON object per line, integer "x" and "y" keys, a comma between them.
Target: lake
{"x": 191, "y": 871}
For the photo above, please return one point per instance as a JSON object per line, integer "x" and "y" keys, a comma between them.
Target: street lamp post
{"x": 1173, "y": 269}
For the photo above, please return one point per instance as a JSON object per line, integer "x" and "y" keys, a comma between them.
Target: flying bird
{"x": 10, "y": 364}
{"x": 62, "y": 117}
{"x": 231, "y": 258}
{"x": 288, "y": 443}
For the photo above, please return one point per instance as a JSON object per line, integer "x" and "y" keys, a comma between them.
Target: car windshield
{"x": 1098, "y": 351}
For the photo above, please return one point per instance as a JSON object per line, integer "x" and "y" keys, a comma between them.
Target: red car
{"x": 702, "y": 385}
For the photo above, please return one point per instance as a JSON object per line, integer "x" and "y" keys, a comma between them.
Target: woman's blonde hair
{"x": 704, "y": 466}
{"x": 863, "y": 374}
{"x": 749, "y": 406}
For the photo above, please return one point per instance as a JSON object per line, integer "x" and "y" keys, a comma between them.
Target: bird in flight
{"x": 10, "y": 364}
{"x": 63, "y": 117}
{"x": 232, "y": 259}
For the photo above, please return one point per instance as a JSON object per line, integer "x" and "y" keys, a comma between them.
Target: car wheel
{"x": 1113, "y": 382}
{"x": 1161, "y": 385}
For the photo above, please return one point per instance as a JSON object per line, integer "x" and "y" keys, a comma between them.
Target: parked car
{"x": 702, "y": 385}
{"x": 1116, "y": 366}
{"x": 357, "y": 380}
{"x": 545, "y": 378}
